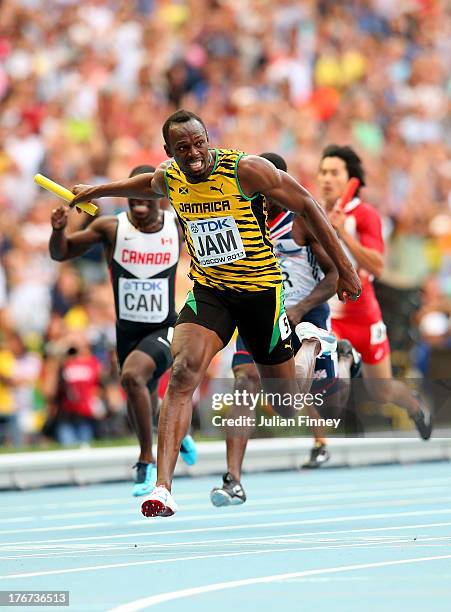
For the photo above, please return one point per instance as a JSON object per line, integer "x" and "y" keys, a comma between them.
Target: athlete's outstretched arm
{"x": 63, "y": 246}
{"x": 257, "y": 175}
{"x": 148, "y": 186}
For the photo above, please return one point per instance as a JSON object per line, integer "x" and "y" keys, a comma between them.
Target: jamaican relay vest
{"x": 226, "y": 232}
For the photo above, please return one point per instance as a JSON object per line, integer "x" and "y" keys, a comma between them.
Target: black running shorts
{"x": 259, "y": 316}
{"x": 156, "y": 344}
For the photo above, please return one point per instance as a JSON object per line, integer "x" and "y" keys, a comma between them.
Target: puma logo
{"x": 213, "y": 188}
{"x": 288, "y": 346}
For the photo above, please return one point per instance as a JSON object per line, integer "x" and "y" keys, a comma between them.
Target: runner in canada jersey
{"x": 359, "y": 228}
{"x": 143, "y": 274}
{"x": 142, "y": 248}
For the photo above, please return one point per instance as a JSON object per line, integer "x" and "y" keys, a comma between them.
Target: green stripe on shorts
{"x": 191, "y": 302}
{"x": 280, "y": 309}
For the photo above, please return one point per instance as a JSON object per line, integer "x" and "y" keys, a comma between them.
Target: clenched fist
{"x": 59, "y": 218}
{"x": 349, "y": 285}
{"x": 79, "y": 191}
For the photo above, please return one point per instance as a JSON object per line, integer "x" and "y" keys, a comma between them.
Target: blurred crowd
{"x": 84, "y": 90}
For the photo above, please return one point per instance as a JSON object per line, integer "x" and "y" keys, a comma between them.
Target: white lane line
{"x": 153, "y": 600}
{"x": 152, "y": 534}
{"x": 310, "y": 536}
{"x": 93, "y": 568}
{"x": 396, "y": 485}
{"x": 299, "y": 538}
{"x": 292, "y": 499}
{"x": 288, "y": 500}
{"x": 243, "y": 514}
{"x": 59, "y": 528}
{"x": 86, "y": 503}
{"x": 310, "y": 545}
{"x": 17, "y": 519}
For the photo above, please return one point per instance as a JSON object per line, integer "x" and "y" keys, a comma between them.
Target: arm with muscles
{"x": 148, "y": 186}
{"x": 324, "y": 290}
{"x": 257, "y": 175}
{"x": 367, "y": 251}
{"x": 63, "y": 246}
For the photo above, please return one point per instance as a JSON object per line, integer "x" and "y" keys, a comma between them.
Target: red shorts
{"x": 369, "y": 339}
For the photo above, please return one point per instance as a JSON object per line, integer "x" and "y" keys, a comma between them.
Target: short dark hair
{"x": 180, "y": 116}
{"x": 351, "y": 159}
{"x": 143, "y": 169}
{"x": 276, "y": 160}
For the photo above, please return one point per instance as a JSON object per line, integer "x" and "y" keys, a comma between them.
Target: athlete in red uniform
{"x": 359, "y": 226}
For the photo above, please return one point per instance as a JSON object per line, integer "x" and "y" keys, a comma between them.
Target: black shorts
{"x": 325, "y": 380}
{"x": 156, "y": 344}
{"x": 259, "y": 316}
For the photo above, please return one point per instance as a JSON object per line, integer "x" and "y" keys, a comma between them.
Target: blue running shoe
{"x": 146, "y": 477}
{"x": 188, "y": 450}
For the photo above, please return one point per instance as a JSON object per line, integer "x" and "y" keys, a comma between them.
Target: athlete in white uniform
{"x": 142, "y": 247}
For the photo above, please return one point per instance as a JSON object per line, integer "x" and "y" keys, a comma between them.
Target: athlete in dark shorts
{"x": 219, "y": 197}
{"x": 309, "y": 280}
{"x": 142, "y": 248}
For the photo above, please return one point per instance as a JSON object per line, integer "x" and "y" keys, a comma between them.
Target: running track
{"x": 377, "y": 538}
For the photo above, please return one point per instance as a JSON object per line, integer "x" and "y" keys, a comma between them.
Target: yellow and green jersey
{"x": 226, "y": 232}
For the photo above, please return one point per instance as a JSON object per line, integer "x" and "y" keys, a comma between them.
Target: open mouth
{"x": 195, "y": 166}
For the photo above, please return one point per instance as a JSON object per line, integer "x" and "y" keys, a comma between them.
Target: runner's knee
{"x": 246, "y": 378}
{"x": 132, "y": 380}
{"x": 185, "y": 375}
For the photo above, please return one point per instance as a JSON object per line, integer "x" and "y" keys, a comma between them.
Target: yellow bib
{"x": 226, "y": 232}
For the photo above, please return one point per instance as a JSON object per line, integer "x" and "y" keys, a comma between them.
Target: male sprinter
{"x": 219, "y": 197}
{"x": 359, "y": 227}
{"x": 142, "y": 250}
{"x": 309, "y": 280}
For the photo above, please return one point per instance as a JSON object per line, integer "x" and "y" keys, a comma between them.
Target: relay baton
{"x": 349, "y": 192}
{"x": 65, "y": 194}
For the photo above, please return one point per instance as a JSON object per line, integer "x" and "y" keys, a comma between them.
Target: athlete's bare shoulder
{"x": 256, "y": 174}
{"x": 158, "y": 180}
{"x": 164, "y": 165}
{"x": 254, "y": 164}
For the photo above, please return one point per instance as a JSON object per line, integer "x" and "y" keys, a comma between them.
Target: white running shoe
{"x": 308, "y": 331}
{"x": 159, "y": 503}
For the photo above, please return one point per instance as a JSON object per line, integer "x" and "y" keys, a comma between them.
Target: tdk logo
{"x": 212, "y": 225}
{"x": 136, "y": 285}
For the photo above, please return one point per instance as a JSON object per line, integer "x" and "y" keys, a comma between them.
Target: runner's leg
{"x": 138, "y": 368}
{"x": 193, "y": 348}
